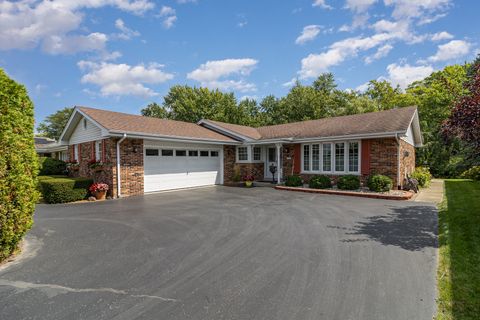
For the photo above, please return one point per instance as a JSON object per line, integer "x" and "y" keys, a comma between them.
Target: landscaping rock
{"x": 92, "y": 199}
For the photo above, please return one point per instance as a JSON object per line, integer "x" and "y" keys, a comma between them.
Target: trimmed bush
{"x": 320, "y": 182}
{"x": 472, "y": 173}
{"x": 50, "y": 166}
{"x": 294, "y": 181}
{"x": 423, "y": 176}
{"x": 379, "y": 183}
{"x": 62, "y": 190}
{"x": 348, "y": 182}
{"x": 18, "y": 165}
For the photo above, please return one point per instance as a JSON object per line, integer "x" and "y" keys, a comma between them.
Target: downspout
{"x": 398, "y": 161}
{"x": 119, "y": 187}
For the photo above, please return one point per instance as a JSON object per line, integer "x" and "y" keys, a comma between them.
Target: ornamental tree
{"x": 464, "y": 121}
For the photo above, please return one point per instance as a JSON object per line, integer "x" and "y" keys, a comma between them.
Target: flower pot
{"x": 248, "y": 184}
{"x": 100, "y": 195}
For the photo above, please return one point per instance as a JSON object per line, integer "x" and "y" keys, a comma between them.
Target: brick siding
{"x": 232, "y": 169}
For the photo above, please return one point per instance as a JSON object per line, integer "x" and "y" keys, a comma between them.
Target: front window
{"x": 242, "y": 153}
{"x": 97, "y": 150}
{"x": 353, "y": 157}
{"x": 315, "y": 157}
{"x": 257, "y": 153}
{"x": 340, "y": 156}
{"x": 306, "y": 158}
{"x": 327, "y": 157}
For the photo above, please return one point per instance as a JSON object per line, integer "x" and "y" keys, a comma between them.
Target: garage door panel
{"x": 166, "y": 173}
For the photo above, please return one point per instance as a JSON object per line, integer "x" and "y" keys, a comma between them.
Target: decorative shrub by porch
{"x": 423, "y": 176}
{"x": 472, "y": 173}
{"x": 379, "y": 183}
{"x": 320, "y": 182}
{"x": 49, "y": 166}
{"x": 348, "y": 182}
{"x": 18, "y": 165}
{"x": 62, "y": 190}
{"x": 294, "y": 181}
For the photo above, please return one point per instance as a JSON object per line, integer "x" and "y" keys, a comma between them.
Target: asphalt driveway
{"x": 226, "y": 253}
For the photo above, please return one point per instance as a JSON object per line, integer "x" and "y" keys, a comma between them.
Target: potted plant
{"x": 99, "y": 190}
{"x": 248, "y": 179}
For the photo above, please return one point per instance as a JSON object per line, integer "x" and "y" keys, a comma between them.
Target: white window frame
{"x": 332, "y": 158}
{"x": 253, "y": 154}
{"x": 98, "y": 153}
{"x": 249, "y": 156}
{"x": 76, "y": 153}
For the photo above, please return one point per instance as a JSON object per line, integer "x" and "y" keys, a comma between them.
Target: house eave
{"x": 149, "y": 136}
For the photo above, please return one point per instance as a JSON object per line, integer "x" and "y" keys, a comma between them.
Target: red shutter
{"x": 93, "y": 151}
{"x": 296, "y": 158}
{"x": 103, "y": 150}
{"x": 366, "y": 157}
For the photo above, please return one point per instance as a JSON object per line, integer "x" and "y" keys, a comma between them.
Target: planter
{"x": 248, "y": 184}
{"x": 100, "y": 195}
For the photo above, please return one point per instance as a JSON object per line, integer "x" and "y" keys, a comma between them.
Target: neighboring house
{"x": 139, "y": 154}
{"x": 46, "y": 147}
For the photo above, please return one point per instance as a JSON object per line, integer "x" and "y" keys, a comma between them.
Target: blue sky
{"x": 123, "y": 54}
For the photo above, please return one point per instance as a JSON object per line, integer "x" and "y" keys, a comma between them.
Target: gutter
{"x": 397, "y": 139}
{"x": 119, "y": 183}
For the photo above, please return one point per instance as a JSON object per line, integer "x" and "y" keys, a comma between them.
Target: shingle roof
{"x": 246, "y": 131}
{"x": 389, "y": 121}
{"x": 123, "y": 122}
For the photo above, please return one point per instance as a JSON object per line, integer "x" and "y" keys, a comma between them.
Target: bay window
{"x": 340, "y": 157}
{"x": 331, "y": 157}
{"x": 306, "y": 157}
{"x": 327, "y": 157}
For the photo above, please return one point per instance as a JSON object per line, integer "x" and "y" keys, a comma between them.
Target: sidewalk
{"x": 432, "y": 194}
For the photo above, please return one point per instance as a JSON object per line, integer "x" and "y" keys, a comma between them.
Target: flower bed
{"x": 363, "y": 192}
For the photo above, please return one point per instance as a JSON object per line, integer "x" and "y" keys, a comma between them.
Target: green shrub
{"x": 50, "y": 166}
{"x": 18, "y": 165}
{"x": 379, "y": 183}
{"x": 423, "y": 176}
{"x": 348, "y": 182}
{"x": 472, "y": 173}
{"x": 320, "y": 182}
{"x": 294, "y": 181}
{"x": 62, "y": 190}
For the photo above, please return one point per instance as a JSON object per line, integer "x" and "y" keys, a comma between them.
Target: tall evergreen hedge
{"x": 18, "y": 164}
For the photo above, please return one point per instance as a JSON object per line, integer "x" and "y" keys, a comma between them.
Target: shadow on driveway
{"x": 411, "y": 228}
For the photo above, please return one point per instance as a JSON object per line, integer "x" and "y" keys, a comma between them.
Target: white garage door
{"x": 169, "y": 168}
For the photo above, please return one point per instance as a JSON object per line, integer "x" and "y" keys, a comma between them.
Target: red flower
{"x": 95, "y": 187}
{"x": 248, "y": 177}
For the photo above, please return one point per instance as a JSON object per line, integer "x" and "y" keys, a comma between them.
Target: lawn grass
{"x": 458, "y": 276}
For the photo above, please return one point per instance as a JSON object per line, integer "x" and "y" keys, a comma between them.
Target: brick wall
{"x": 383, "y": 157}
{"x": 131, "y": 159}
{"x": 407, "y": 160}
{"x": 231, "y": 168}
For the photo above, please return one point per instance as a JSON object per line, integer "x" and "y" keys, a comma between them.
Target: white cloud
{"x": 441, "y": 36}
{"x": 126, "y": 33}
{"x": 309, "y": 33}
{"x": 451, "y": 50}
{"x": 314, "y": 64}
{"x": 26, "y": 24}
{"x": 169, "y": 16}
{"x": 72, "y": 44}
{"x": 383, "y": 51}
{"x": 363, "y": 87}
{"x": 123, "y": 79}
{"x": 403, "y": 75}
{"x": 212, "y": 73}
{"x": 321, "y": 4}
{"x": 414, "y": 9}
{"x": 359, "y": 5}
{"x": 186, "y": 1}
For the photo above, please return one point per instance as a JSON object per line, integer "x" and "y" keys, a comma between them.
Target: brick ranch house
{"x": 137, "y": 155}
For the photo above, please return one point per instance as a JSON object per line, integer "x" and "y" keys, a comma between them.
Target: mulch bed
{"x": 392, "y": 195}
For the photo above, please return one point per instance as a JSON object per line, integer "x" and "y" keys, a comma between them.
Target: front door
{"x": 271, "y": 159}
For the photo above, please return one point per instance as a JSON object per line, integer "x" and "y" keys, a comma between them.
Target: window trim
{"x": 332, "y": 158}
{"x": 248, "y": 154}
{"x": 253, "y": 154}
{"x": 98, "y": 150}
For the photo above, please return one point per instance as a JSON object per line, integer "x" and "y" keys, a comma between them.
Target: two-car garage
{"x": 177, "y": 165}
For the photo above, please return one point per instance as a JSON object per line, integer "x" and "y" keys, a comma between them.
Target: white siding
{"x": 409, "y": 137}
{"x": 81, "y": 134}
